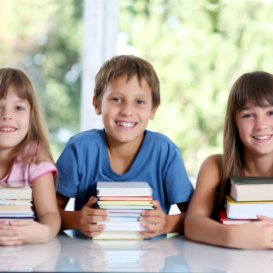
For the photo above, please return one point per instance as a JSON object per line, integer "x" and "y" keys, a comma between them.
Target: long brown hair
{"x": 35, "y": 146}
{"x": 257, "y": 88}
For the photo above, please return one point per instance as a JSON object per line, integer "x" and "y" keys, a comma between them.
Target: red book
{"x": 227, "y": 221}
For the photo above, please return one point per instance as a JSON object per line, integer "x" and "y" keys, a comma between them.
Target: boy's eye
{"x": 140, "y": 101}
{"x": 270, "y": 113}
{"x": 116, "y": 99}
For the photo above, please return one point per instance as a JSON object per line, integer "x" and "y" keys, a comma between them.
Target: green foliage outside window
{"x": 198, "y": 49}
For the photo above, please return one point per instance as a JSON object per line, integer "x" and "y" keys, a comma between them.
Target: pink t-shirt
{"x": 23, "y": 175}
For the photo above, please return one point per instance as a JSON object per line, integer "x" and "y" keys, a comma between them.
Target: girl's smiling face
{"x": 14, "y": 120}
{"x": 255, "y": 128}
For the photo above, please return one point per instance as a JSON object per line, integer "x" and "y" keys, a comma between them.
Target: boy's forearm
{"x": 69, "y": 219}
{"x": 175, "y": 223}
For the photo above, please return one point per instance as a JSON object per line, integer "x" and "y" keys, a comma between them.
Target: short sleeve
{"x": 178, "y": 185}
{"x": 37, "y": 170}
{"x": 68, "y": 179}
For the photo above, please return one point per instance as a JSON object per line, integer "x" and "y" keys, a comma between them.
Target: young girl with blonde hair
{"x": 25, "y": 159}
{"x": 247, "y": 151}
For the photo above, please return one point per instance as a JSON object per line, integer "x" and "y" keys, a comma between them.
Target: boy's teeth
{"x": 126, "y": 124}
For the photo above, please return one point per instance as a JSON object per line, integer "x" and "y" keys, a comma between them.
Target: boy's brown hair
{"x": 129, "y": 66}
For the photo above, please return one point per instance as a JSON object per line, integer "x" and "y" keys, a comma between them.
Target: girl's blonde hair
{"x": 35, "y": 146}
{"x": 257, "y": 88}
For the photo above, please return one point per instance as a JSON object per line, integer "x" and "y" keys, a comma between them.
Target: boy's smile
{"x": 126, "y": 108}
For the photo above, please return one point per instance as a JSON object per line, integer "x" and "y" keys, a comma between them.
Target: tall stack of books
{"x": 16, "y": 203}
{"x": 125, "y": 201}
{"x": 248, "y": 197}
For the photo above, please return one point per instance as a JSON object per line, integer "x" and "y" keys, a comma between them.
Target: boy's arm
{"x": 85, "y": 219}
{"x": 156, "y": 222}
{"x": 68, "y": 217}
{"x": 175, "y": 222}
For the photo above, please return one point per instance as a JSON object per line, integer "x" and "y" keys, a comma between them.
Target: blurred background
{"x": 198, "y": 48}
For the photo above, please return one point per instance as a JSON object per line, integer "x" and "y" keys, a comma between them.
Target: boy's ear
{"x": 153, "y": 112}
{"x": 96, "y": 106}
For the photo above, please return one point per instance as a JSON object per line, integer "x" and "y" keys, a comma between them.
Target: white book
{"x": 122, "y": 226}
{"x": 248, "y": 210}
{"x": 15, "y": 192}
{"x": 124, "y": 189}
{"x": 119, "y": 235}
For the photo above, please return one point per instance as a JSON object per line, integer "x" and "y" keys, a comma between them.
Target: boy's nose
{"x": 126, "y": 109}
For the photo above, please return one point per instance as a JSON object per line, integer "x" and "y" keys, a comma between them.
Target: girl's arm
{"x": 200, "y": 227}
{"x": 48, "y": 218}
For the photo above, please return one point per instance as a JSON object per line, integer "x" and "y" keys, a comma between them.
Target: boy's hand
{"x": 154, "y": 221}
{"x": 89, "y": 217}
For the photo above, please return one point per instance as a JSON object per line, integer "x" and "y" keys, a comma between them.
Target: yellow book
{"x": 248, "y": 209}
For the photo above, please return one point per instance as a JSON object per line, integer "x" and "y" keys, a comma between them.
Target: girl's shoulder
{"x": 215, "y": 159}
{"x": 212, "y": 167}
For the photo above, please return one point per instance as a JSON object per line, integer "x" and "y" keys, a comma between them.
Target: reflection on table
{"x": 71, "y": 252}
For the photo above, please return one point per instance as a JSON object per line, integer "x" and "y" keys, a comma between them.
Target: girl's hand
{"x": 31, "y": 231}
{"x": 264, "y": 218}
{"x": 9, "y": 235}
{"x": 154, "y": 221}
{"x": 89, "y": 217}
{"x": 254, "y": 235}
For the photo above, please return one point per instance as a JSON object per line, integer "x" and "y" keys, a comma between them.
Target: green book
{"x": 245, "y": 188}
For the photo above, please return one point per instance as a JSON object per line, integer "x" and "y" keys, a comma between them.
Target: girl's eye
{"x": 270, "y": 113}
{"x": 247, "y": 115}
{"x": 19, "y": 108}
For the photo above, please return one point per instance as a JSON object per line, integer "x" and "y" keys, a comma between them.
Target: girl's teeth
{"x": 262, "y": 137}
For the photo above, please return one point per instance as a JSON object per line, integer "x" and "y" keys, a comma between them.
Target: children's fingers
{"x": 10, "y": 241}
{"x": 265, "y": 218}
{"x": 93, "y": 228}
{"x": 91, "y": 202}
{"x": 149, "y": 234}
{"x": 95, "y": 219}
{"x": 19, "y": 223}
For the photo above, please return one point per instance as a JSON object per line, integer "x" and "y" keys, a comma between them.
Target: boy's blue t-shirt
{"x": 85, "y": 161}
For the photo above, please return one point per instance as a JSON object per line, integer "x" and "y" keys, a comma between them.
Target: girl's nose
{"x": 261, "y": 123}
{"x": 5, "y": 114}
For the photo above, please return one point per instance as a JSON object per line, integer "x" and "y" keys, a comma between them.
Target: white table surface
{"x": 68, "y": 253}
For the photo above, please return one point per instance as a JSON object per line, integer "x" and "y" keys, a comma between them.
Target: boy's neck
{"x": 122, "y": 155}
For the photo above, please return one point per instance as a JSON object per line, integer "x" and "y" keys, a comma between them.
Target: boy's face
{"x": 126, "y": 108}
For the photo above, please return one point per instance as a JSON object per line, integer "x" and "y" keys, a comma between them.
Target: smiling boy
{"x": 126, "y": 95}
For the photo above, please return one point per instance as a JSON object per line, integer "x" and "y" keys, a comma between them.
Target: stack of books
{"x": 120, "y": 256}
{"x": 125, "y": 201}
{"x": 16, "y": 203}
{"x": 248, "y": 197}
